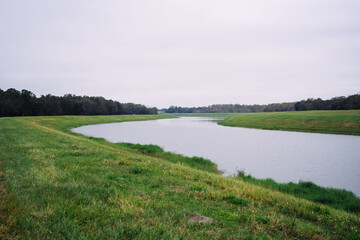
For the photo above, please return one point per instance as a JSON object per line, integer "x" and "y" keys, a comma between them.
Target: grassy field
{"x": 55, "y": 184}
{"x": 335, "y": 122}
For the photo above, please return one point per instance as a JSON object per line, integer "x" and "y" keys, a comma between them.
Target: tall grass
{"x": 336, "y": 198}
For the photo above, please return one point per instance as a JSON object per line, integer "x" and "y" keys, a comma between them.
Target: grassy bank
{"x": 57, "y": 184}
{"x": 335, "y": 122}
{"x": 156, "y": 151}
{"x": 336, "y": 198}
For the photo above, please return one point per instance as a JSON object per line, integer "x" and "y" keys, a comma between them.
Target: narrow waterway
{"x": 325, "y": 159}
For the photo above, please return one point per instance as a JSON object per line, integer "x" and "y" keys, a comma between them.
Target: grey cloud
{"x": 189, "y": 53}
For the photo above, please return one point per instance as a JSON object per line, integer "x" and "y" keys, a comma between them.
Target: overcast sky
{"x": 180, "y": 52}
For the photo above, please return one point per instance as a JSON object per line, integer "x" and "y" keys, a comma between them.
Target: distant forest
{"x": 25, "y": 103}
{"x": 336, "y": 103}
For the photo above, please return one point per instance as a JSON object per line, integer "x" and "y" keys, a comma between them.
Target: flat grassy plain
{"x": 55, "y": 184}
{"x": 334, "y": 122}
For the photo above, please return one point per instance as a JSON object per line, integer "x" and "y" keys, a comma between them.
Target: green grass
{"x": 156, "y": 151}
{"x": 336, "y": 198}
{"x": 334, "y": 122}
{"x": 55, "y": 184}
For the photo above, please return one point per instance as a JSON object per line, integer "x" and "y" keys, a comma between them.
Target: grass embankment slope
{"x": 57, "y": 184}
{"x": 335, "y": 122}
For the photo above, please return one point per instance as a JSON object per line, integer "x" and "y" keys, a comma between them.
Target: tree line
{"x": 25, "y": 103}
{"x": 336, "y": 103}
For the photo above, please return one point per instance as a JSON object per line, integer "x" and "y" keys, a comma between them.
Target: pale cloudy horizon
{"x": 183, "y": 53}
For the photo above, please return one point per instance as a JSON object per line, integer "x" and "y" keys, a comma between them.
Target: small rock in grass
{"x": 197, "y": 218}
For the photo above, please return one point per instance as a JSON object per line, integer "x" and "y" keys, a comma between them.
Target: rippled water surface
{"x": 325, "y": 159}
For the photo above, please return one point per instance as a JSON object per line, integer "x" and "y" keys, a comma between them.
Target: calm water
{"x": 325, "y": 159}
